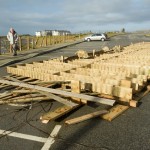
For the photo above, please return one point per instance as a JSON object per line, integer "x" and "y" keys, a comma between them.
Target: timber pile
{"x": 110, "y": 77}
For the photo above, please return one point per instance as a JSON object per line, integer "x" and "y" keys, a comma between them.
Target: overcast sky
{"x": 28, "y": 16}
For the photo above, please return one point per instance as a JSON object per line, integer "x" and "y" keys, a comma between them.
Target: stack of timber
{"x": 110, "y": 76}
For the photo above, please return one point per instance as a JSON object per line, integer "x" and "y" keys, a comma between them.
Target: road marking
{"x": 23, "y": 136}
{"x": 50, "y": 139}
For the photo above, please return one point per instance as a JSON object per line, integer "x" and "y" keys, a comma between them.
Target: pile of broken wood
{"x": 110, "y": 79}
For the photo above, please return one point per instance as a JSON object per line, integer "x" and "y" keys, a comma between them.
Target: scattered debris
{"x": 110, "y": 79}
{"x": 82, "y": 54}
{"x": 105, "y": 49}
{"x": 117, "y": 49}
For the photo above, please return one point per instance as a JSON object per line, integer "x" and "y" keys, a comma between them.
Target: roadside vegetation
{"x": 111, "y": 34}
{"x": 148, "y": 35}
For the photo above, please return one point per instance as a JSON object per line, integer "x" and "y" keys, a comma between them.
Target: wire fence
{"x": 32, "y": 42}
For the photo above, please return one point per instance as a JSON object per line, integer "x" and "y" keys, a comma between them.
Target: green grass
{"x": 111, "y": 34}
{"x": 147, "y": 35}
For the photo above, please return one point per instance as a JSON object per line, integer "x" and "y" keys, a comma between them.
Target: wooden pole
{"x": 53, "y": 40}
{"x": 46, "y": 40}
{"x": 32, "y": 42}
{"x": 24, "y": 100}
{"x": 60, "y": 92}
{"x": 42, "y": 41}
{"x": 28, "y": 42}
{"x": 20, "y": 44}
{"x": 86, "y": 117}
{"x": 0, "y": 46}
{"x": 52, "y": 115}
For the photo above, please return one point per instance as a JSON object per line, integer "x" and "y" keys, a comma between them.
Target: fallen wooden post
{"x": 86, "y": 117}
{"x": 25, "y": 100}
{"x": 59, "y": 99}
{"x": 23, "y": 91}
{"x": 114, "y": 112}
{"x": 60, "y": 92}
{"x": 57, "y": 113}
{"x": 49, "y": 95}
{"x": 132, "y": 103}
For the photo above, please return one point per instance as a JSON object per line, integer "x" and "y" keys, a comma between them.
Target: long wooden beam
{"x": 60, "y": 92}
{"x": 49, "y": 95}
{"x": 86, "y": 117}
{"x": 52, "y": 115}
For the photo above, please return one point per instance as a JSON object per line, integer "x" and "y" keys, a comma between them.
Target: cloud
{"x": 79, "y": 15}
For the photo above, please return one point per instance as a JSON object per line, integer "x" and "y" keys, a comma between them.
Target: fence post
{"x": 28, "y": 42}
{"x": 20, "y": 44}
{"x": 46, "y": 40}
{"x": 49, "y": 40}
{"x": 53, "y": 40}
{"x": 32, "y": 42}
{"x": 0, "y": 46}
{"x": 42, "y": 41}
{"x": 63, "y": 38}
{"x": 60, "y": 39}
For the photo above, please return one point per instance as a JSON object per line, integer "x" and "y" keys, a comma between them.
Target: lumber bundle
{"x": 113, "y": 76}
{"x": 25, "y": 91}
{"x": 117, "y": 74}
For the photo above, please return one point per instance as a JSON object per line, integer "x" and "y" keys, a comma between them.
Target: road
{"x": 129, "y": 131}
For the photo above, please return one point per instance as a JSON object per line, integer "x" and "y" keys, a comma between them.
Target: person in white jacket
{"x": 12, "y": 37}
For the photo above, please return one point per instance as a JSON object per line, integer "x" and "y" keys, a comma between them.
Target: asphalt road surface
{"x": 129, "y": 131}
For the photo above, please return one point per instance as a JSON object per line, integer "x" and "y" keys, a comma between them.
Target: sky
{"x": 29, "y": 16}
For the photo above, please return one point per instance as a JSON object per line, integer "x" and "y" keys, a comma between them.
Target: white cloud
{"x": 77, "y": 15}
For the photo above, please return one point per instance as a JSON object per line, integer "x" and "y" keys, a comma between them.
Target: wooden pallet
{"x": 113, "y": 76}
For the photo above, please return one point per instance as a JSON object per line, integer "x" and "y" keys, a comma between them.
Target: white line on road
{"x": 50, "y": 139}
{"x": 23, "y": 136}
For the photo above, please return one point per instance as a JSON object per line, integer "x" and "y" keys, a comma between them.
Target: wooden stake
{"x": 86, "y": 117}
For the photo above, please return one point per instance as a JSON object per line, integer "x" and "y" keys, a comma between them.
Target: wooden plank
{"x": 76, "y": 88}
{"x": 114, "y": 112}
{"x": 49, "y": 82}
{"x": 133, "y": 103}
{"x": 57, "y": 113}
{"x": 123, "y": 92}
{"x": 60, "y": 92}
{"x": 7, "y": 95}
{"x": 86, "y": 117}
{"x": 23, "y": 91}
{"x": 125, "y": 83}
{"x": 52, "y": 96}
{"x": 6, "y": 87}
{"x": 59, "y": 99}
{"x": 15, "y": 78}
{"x": 24, "y": 100}
{"x": 28, "y": 96}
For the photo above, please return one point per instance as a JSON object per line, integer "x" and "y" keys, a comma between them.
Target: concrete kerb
{"x": 34, "y": 53}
